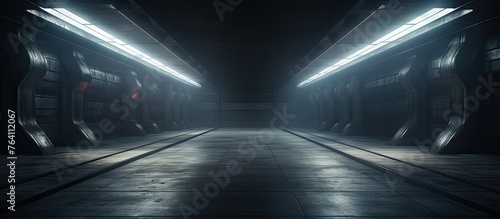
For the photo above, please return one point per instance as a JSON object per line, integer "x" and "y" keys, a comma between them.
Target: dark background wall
{"x": 246, "y": 109}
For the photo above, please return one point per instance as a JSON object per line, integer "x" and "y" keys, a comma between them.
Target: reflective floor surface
{"x": 244, "y": 173}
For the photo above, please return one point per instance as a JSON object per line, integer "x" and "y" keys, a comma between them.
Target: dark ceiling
{"x": 258, "y": 41}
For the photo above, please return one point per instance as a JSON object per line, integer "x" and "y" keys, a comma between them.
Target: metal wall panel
{"x": 104, "y": 89}
{"x": 48, "y": 99}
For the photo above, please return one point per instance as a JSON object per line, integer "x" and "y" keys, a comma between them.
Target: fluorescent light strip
{"x": 422, "y": 23}
{"x": 119, "y": 41}
{"x": 391, "y": 34}
{"x": 343, "y": 62}
{"x": 75, "y": 23}
{"x": 102, "y": 32}
{"x": 93, "y": 30}
{"x": 372, "y": 49}
{"x": 122, "y": 47}
{"x": 425, "y": 15}
{"x": 360, "y": 51}
{"x": 411, "y": 26}
{"x": 153, "y": 62}
{"x": 133, "y": 49}
{"x": 156, "y": 62}
{"x": 71, "y": 16}
{"x": 328, "y": 69}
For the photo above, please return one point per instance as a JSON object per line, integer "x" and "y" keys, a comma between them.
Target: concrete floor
{"x": 244, "y": 173}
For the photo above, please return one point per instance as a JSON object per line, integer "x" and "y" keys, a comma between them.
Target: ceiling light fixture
{"x": 390, "y": 38}
{"x": 108, "y": 40}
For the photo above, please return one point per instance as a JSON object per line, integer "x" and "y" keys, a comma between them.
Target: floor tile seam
{"x": 210, "y": 179}
{"x": 48, "y": 173}
{"x": 286, "y": 179}
{"x": 447, "y": 199}
{"x": 409, "y": 163}
{"x": 55, "y": 189}
{"x": 448, "y": 195}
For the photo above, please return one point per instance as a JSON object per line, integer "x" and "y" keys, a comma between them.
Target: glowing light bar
{"x": 98, "y": 30}
{"x": 425, "y": 15}
{"x": 391, "y": 34}
{"x": 109, "y": 40}
{"x": 122, "y": 47}
{"x": 71, "y": 16}
{"x": 422, "y": 23}
{"x": 410, "y": 27}
{"x": 375, "y": 47}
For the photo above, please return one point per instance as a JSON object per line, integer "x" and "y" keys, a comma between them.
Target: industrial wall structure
{"x": 442, "y": 93}
{"x": 79, "y": 93}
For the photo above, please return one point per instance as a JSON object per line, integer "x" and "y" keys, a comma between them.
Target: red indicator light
{"x": 135, "y": 95}
{"x": 82, "y": 86}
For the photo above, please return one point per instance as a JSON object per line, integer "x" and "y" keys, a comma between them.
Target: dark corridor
{"x": 250, "y": 109}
